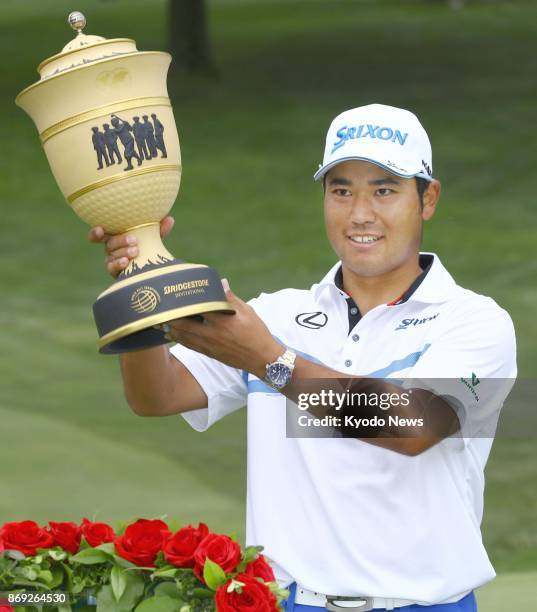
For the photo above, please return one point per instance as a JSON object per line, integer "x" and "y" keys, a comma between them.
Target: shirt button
{"x": 348, "y": 363}
{"x": 355, "y": 337}
{"x": 354, "y": 310}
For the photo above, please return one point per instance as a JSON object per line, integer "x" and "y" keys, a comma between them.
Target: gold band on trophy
{"x": 114, "y": 179}
{"x": 101, "y": 111}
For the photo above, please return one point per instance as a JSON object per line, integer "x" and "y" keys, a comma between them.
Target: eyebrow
{"x": 339, "y": 181}
{"x": 385, "y": 180}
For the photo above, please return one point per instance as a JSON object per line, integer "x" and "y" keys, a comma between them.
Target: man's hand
{"x": 121, "y": 248}
{"x": 241, "y": 340}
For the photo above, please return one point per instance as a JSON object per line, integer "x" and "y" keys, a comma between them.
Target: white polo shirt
{"x": 344, "y": 517}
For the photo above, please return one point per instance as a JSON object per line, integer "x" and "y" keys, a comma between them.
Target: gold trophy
{"x": 106, "y": 123}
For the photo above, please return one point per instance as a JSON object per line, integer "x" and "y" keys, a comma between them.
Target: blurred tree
{"x": 456, "y": 4}
{"x": 189, "y": 36}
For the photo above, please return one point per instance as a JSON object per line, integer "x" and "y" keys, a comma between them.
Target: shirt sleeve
{"x": 224, "y": 386}
{"x": 472, "y": 366}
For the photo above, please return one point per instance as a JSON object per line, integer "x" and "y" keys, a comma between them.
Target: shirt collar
{"x": 436, "y": 286}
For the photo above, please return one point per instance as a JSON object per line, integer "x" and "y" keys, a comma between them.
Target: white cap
{"x": 390, "y": 137}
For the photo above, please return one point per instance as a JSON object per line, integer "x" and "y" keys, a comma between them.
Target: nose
{"x": 362, "y": 210}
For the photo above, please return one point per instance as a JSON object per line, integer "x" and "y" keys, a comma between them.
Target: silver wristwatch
{"x": 279, "y": 372}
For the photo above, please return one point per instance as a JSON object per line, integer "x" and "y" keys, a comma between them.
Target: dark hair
{"x": 422, "y": 186}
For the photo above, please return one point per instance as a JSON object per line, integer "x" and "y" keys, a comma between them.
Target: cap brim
{"x": 324, "y": 169}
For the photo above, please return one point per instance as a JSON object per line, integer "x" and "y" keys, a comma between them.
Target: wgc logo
{"x": 145, "y": 299}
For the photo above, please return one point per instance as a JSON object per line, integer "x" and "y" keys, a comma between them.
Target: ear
{"x": 430, "y": 199}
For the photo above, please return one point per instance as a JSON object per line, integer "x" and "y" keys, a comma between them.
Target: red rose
{"x": 96, "y": 533}
{"x": 26, "y": 536}
{"x": 260, "y": 569}
{"x": 142, "y": 541}
{"x": 66, "y": 535}
{"x": 7, "y": 609}
{"x": 2, "y": 547}
{"x": 180, "y": 548}
{"x": 254, "y": 596}
{"x": 219, "y": 548}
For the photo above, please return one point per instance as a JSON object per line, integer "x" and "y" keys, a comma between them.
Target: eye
{"x": 341, "y": 192}
{"x": 384, "y": 191}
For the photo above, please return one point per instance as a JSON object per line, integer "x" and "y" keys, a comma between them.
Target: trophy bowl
{"x": 105, "y": 120}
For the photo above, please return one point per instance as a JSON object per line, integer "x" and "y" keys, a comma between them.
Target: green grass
{"x": 251, "y": 140}
{"x": 517, "y": 591}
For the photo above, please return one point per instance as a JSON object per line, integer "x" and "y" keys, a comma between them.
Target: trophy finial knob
{"x": 77, "y": 21}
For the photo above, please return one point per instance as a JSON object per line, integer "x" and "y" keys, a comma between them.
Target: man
{"x": 150, "y": 136}
{"x": 159, "y": 135}
{"x": 98, "y": 141}
{"x": 123, "y": 129}
{"x": 139, "y": 131}
{"x": 386, "y": 522}
{"x": 110, "y": 138}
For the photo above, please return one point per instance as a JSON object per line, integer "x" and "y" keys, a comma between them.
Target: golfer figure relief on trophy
{"x": 106, "y": 123}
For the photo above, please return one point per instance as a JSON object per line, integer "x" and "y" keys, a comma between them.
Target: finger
{"x": 185, "y": 338}
{"x": 117, "y": 265}
{"x": 120, "y": 241}
{"x": 186, "y": 325}
{"x": 166, "y": 226}
{"x": 231, "y": 297}
{"x": 130, "y": 252}
{"x": 96, "y": 234}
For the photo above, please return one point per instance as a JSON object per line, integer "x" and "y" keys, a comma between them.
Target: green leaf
{"x": 118, "y": 582}
{"x": 57, "y": 555}
{"x": 29, "y": 573}
{"x": 107, "y": 547}
{"x": 133, "y": 591}
{"x": 124, "y": 562}
{"x": 251, "y": 553}
{"x": 213, "y": 574}
{"x": 91, "y": 556}
{"x": 168, "y": 571}
{"x": 106, "y": 601}
{"x": 203, "y": 593}
{"x": 160, "y": 604}
{"x": 15, "y": 554}
{"x": 45, "y": 576}
{"x": 58, "y": 576}
{"x": 169, "y": 589}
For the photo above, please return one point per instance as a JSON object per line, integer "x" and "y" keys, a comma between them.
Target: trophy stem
{"x": 150, "y": 246}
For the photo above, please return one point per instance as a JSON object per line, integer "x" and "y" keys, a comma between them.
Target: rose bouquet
{"x": 145, "y": 567}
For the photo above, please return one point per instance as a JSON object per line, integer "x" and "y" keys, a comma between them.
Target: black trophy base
{"x": 126, "y": 313}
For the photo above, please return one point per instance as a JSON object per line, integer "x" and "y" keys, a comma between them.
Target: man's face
{"x": 374, "y": 218}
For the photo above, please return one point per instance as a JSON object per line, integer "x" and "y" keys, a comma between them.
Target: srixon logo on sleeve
{"x": 406, "y": 323}
{"x": 368, "y": 131}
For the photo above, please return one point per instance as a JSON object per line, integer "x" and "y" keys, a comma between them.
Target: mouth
{"x": 364, "y": 240}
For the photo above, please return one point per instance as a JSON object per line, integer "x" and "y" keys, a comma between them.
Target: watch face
{"x": 278, "y": 374}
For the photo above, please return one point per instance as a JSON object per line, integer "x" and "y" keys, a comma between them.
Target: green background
{"x": 251, "y": 139}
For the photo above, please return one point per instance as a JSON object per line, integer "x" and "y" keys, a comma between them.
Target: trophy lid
{"x": 84, "y": 49}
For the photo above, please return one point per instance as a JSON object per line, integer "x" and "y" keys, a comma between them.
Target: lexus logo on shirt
{"x": 312, "y": 320}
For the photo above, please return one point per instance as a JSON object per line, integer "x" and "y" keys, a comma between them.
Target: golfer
{"x": 354, "y": 522}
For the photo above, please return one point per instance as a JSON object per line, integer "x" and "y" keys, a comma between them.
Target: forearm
{"x": 433, "y": 417}
{"x": 149, "y": 380}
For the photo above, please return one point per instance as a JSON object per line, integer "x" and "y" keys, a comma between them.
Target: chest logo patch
{"x": 312, "y": 320}
{"x": 406, "y": 323}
